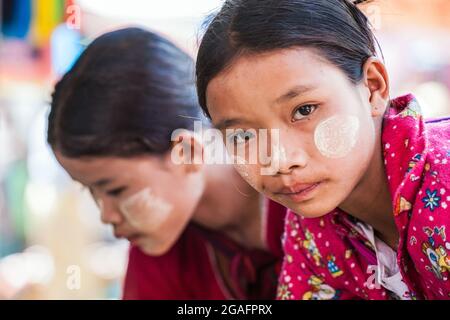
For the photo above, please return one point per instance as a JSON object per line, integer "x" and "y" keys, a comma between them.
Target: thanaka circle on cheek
{"x": 145, "y": 211}
{"x": 336, "y": 136}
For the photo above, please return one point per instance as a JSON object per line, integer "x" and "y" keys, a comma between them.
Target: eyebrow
{"x": 226, "y": 123}
{"x": 294, "y": 92}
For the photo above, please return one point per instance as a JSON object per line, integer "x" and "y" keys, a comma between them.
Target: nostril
{"x": 284, "y": 171}
{"x": 288, "y": 170}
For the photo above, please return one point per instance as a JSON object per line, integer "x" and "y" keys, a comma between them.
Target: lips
{"x": 298, "y": 192}
{"x": 296, "y": 188}
{"x": 130, "y": 237}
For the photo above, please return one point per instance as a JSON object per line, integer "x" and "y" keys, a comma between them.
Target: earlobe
{"x": 377, "y": 82}
{"x": 378, "y": 109}
{"x": 187, "y": 152}
{"x": 378, "y": 105}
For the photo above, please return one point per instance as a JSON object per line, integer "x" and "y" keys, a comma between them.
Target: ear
{"x": 186, "y": 152}
{"x": 376, "y": 80}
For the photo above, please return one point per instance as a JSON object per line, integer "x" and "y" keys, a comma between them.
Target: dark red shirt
{"x": 189, "y": 270}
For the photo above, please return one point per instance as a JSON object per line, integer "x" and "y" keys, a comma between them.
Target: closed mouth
{"x": 298, "y": 192}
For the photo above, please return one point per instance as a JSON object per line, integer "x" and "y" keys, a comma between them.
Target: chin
{"x": 311, "y": 210}
{"x": 154, "y": 250}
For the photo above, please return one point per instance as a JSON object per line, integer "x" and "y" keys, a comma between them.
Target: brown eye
{"x": 304, "y": 111}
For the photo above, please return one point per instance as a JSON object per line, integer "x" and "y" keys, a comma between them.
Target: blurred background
{"x": 52, "y": 244}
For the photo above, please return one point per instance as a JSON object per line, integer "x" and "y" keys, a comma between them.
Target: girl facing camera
{"x": 365, "y": 177}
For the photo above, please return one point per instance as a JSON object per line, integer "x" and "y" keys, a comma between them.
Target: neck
{"x": 371, "y": 201}
{"x": 229, "y": 205}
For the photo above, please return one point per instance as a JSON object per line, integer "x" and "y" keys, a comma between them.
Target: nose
{"x": 286, "y": 154}
{"x": 109, "y": 213}
{"x": 291, "y": 157}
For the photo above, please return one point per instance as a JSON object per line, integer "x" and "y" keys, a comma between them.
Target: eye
{"x": 240, "y": 137}
{"x": 115, "y": 192}
{"x": 304, "y": 111}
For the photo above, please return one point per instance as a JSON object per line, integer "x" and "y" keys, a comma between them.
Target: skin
{"x": 214, "y": 196}
{"x": 294, "y": 90}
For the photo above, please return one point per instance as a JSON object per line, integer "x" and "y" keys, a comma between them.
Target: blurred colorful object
{"x": 32, "y": 20}
{"x": 65, "y": 49}
{"x": 47, "y": 15}
{"x": 15, "y": 18}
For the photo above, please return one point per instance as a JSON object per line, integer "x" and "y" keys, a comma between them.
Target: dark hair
{"x": 337, "y": 29}
{"x": 125, "y": 96}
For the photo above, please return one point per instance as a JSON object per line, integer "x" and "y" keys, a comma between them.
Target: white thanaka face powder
{"x": 242, "y": 172}
{"x": 246, "y": 174}
{"x": 335, "y": 137}
{"x": 238, "y": 160}
{"x": 242, "y": 167}
{"x": 145, "y": 211}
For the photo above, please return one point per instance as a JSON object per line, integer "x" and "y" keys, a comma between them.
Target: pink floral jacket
{"x": 327, "y": 258}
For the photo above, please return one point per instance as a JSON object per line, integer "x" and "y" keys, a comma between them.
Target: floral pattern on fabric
{"x": 327, "y": 258}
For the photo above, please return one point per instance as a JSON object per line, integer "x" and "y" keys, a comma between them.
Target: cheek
{"x": 145, "y": 211}
{"x": 250, "y": 173}
{"x": 185, "y": 192}
{"x": 337, "y": 136}
{"x": 159, "y": 238}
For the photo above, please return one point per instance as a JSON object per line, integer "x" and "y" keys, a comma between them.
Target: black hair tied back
{"x": 125, "y": 96}
{"x": 337, "y": 30}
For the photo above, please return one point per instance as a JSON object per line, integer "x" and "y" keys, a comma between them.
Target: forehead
{"x": 87, "y": 169}
{"x": 82, "y": 164}
{"x": 90, "y": 169}
{"x": 264, "y": 77}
